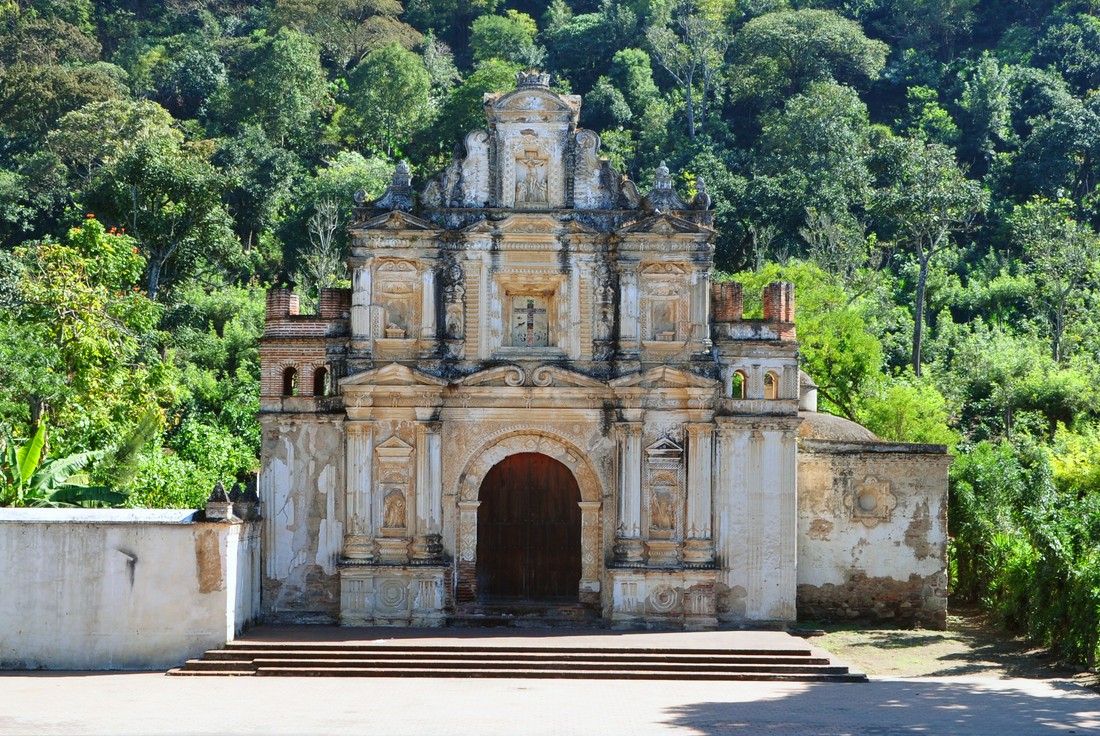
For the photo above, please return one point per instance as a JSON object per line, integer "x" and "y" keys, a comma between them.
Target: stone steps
{"x": 367, "y": 659}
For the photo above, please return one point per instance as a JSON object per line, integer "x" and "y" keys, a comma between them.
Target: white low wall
{"x": 120, "y": 588}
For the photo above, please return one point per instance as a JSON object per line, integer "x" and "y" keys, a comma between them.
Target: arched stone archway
{"x": 469, "y": 486}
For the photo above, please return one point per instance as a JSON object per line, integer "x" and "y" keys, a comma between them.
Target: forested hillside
{"x": 925, "y": 171}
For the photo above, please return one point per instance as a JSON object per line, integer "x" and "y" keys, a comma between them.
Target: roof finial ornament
{"x": 532, "y": 78}
{"x": 663, "y": 179}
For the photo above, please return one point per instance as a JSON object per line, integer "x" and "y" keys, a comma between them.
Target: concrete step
{"x": 375, "y": 648}
{"x": 246, "y": 655}
{"x": 471, "y": 663}
{"x": 571, "y": 673}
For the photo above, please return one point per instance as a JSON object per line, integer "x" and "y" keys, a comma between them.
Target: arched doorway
{"x": 529, "y": 531}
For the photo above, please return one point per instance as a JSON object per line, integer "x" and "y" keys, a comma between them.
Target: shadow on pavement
{"x": 990, "y": 707}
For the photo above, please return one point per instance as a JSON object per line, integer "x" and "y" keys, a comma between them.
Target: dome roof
{"x": 827, "y": 427}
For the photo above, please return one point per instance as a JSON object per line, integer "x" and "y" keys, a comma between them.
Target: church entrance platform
{"x": 337, "y": 651}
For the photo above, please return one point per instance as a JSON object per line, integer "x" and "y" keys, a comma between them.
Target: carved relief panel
{"x": 392, "y": 497}
{"x": 665, "y": 305}
{"x": 397, "y": 313}
{"x": 663, "y": 501}
{"x": 532, "y": 168}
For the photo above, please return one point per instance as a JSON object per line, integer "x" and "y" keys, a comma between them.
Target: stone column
{"x": 628, "y": 543}
{"x": 590, "y": 551}
{"x": 628, "y": 310}
{"x": 427, "y": 544}
{"x": 699, "y": 544}
{"x": 360, "y": 306}
{"x": 427, "y": 308}
{"x": 358, "y": 529}
{"x": 700, "y": 317}
{"x": 466, "y": 567}
{"x": 757, "y": 527}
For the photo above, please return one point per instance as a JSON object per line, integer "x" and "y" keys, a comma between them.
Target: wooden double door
{"x": 529, "y": 531}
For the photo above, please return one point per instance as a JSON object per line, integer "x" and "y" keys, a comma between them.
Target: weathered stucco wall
{"x": 302, "y": 494}
{"x": 872, "y": 532}
{"x": 121, "y": 589}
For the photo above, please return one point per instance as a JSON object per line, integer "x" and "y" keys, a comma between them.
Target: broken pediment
{"x": 549, "y": 375}
{"x": 395, "y": 220}
{"x": 664, "y": 223}
{"x": 502, "y": 375}
{"x": 664, "y": 377}
{"x": 664, "y": 450}
{"x": 393, "y": 374}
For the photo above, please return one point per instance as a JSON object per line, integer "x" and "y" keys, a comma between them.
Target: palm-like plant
{"x": 26, "y": 479}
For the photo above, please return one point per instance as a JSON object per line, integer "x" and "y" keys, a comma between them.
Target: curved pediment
{"x": 533, "y": 98}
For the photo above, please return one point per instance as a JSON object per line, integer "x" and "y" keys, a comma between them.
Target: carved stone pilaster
{"x": 427, "y": 544}
{"x": 628, "y": 543}
{"x": 358, "y": 529}
{"x": 699, "y": 543}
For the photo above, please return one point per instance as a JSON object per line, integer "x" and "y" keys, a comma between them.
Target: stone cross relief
{"x": 530, "y": 327}
{"x": 531, "y": 187}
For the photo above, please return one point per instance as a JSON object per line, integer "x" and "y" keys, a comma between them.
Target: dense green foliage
{"x": 926, "y": 173}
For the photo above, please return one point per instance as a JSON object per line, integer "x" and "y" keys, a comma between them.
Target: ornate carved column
{"x": 427, "y": 308}
{"x": 628, "y": 310}
{"x": 358, "y": 529}
{"x": 628, "y": 542}
{"x": 427, "y": 544}
{"x": 699, "y": 543}
{"x": 590, "y": 551}
{"x": 466, "y": 569}
{"x": 700, "y": 311}
{"x": 756, "y": 523}
{"x": 360, "y": 306}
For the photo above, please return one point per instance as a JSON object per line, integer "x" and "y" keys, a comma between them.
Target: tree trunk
{"x": 918, "y": 314}
{"x": 152, "y": 283}
{"x": 690, "y": 108}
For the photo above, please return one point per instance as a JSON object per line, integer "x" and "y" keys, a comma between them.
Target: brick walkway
{"x": 144, "y": 703}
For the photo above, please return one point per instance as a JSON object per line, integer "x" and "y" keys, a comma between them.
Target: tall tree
{"x": 1063, "y": 256}
{"x": 690, "y": 43}
{"x": 386, "y": 115}
{"x": 927, "y": 199}
{"x": 348, "y": 30}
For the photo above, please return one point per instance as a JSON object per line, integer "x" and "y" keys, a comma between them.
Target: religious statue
{"x": 531, "y": 179}
{"x": 393, "y": 510}
{"x": 661, "y": 515}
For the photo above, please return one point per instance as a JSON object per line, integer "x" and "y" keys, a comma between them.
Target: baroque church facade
{"x": 534, "y": 393}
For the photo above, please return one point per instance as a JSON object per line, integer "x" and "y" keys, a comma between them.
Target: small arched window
{"x": 737, "y": 385}
{"x": 771, "y": 386}
{"x": 321, "y": 383}
{"x": 290, "y": 382}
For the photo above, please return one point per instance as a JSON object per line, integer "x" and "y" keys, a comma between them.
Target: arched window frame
{"x": 738, "y": 383}
{"x": 771, "y": 385}
{"x": 322, "y": 383}
{"x": 290, "y": 381}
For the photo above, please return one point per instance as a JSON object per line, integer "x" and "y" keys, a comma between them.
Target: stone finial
{"x": 532, "y": 78}
{"x": 663, "y": 180}
{"x": 218, "y": 506}
{"x": 402, "y": 174}
{"x": 399, "y": 194}
{"x": 702, "y": 197}
{"x": 246, "y": 502}
{"x": 663, "y": 198}
{"x": 218, "y": 494}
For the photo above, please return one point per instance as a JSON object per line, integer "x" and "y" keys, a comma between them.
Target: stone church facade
{"x": 533, "y": 392}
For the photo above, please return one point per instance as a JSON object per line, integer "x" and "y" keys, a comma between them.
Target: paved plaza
{"x": 121, "y": 704}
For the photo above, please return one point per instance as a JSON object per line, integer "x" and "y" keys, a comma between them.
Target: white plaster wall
{"x": 833, "y": 546}
{"x": 121, "y": 589}
{"x": 755, "y": 526}
{"x": 302, "y": 494}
